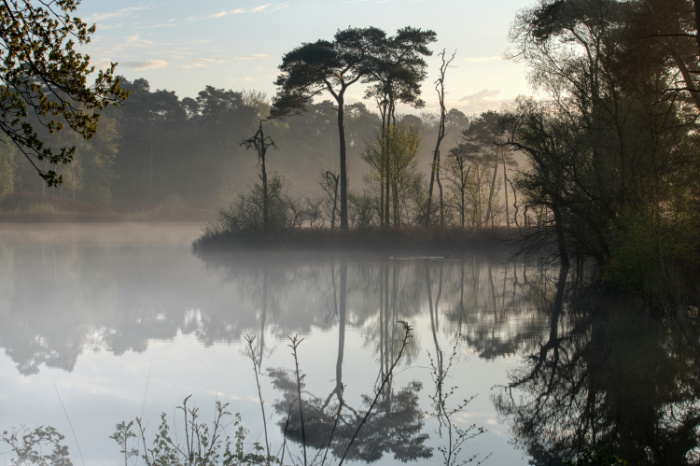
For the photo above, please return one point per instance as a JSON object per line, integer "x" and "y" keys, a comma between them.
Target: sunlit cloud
{"x": 221, "y": 14}
{"x": 238, "y": 11}
{"x": 483, "y": 59}
{"x": 145, "y": 65}
{"x": 484, "y": 94}
{"x": 98, "y": 17}
{"x": 137, "y": 40}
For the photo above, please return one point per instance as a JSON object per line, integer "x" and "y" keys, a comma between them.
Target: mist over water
{"x": 103, "y": 323}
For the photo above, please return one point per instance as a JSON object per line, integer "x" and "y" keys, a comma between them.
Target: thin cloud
{"x": 145, "y": 65}
{"x": 238, "y": 11}
{"x": 221, "y": 14}
{"x": 98, "y": 17}
{"x": 169, "y": 24}
{"x": 137, "y": 40}
{"x": 204, "y": 61}
{"x": 483, "y": 59}
{"x": 255, "y": 56}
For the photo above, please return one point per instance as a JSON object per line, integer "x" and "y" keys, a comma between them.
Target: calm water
{"x": 103, "y": 323}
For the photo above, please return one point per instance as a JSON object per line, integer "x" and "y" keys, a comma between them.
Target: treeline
{"x": 157, "y": 152}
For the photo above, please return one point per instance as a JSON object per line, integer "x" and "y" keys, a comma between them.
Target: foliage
{"x": 392, "y": 156}
{"x": 8, "y": 168}
{"x": 473, "y": 185}
{"x": 44, "y": 80}
{"x": 122, "y": 435}
{"x": 204, "y": 444}
{"x": 42, "y": 446}
{"x": 355, "y": 54}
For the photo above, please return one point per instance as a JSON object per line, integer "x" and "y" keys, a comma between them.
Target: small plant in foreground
{"x": 30, "y": 447}
{"x": 203, "y": 443}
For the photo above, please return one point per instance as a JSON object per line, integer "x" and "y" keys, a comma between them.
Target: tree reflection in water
{"x": 608, "y": 376}
{"x": 393, "y": 425}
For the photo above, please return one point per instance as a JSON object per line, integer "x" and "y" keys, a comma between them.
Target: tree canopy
{"x": 613, "y": 153}
{"x": 355, "y": 54}
{"x": 44, "y": 79}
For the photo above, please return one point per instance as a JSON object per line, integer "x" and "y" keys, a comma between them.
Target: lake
{"x": 104, "y": 323}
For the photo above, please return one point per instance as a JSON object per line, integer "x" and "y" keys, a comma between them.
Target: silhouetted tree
{"x": 322, "y": 66}
{"x": 261, "y": 143}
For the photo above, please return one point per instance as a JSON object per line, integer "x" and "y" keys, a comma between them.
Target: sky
{"x": 185, "y": 45}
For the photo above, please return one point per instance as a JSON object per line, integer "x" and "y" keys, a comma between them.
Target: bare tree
{"x": 435, "y": 169}
{"x": 261, "y": 143}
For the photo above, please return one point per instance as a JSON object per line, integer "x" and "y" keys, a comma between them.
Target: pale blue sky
{"x": 184, "y": 45}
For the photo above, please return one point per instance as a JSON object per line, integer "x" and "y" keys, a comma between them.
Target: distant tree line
{"x": 157, "y": 151}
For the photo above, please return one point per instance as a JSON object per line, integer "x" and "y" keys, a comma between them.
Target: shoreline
{"x": 437, "y": 243}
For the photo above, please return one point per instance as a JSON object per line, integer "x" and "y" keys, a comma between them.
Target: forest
{"x": 159, "y": 152}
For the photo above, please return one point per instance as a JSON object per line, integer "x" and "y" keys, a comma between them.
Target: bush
{"x": 247, "y": 213}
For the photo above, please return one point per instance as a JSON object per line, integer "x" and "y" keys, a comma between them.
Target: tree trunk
{"x": 266, "y": 215}
{"x": 435, "y": 169}
{"x": 491, "y": 192}
{"x": 505, "y": 188}
{"x": 343, "y": 165}
{"x": 561, "y": 240}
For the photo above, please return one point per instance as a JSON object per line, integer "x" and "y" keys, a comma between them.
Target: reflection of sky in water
{"x": 110, "y": 323}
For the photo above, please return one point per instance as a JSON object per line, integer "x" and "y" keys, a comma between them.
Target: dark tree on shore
{"x": 321, "y": 66}
{"x": 43, "y": 80}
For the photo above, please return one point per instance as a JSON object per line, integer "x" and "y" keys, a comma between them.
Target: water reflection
{"x": 591, "y": 370}
{"x": 608, "y": 376}
{"x": 61, "y": 298}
